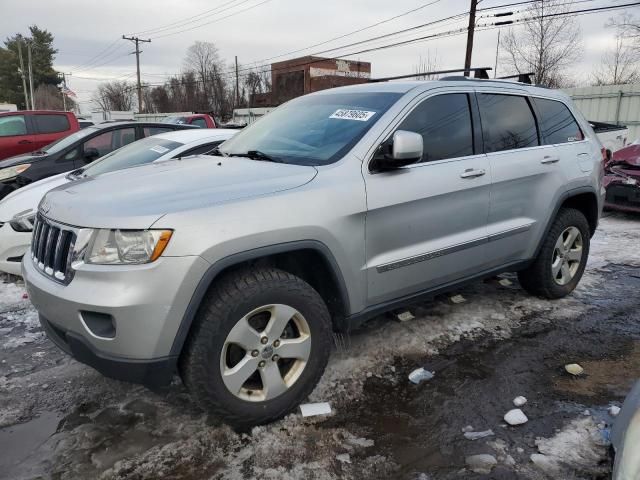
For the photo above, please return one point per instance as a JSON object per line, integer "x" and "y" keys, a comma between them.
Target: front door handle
{"x": 24, "y": 142}
{"x": 472, "y": 173}
{"x": 550, "y": 159}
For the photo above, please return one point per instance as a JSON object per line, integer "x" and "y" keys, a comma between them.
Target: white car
{"x": 17, "y": 210}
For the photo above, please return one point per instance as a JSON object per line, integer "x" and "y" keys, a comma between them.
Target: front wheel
{"x": 563, "y": 255}
{"x": 259, "y": 346}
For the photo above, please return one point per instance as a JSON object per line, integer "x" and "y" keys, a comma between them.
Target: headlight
{"x": 23, "y": 221}
{"x": 126, "y": 247}
{"x": 11, "y": 172}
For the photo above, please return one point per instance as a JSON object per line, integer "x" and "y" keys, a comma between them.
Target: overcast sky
{"x": 84, "y": 29}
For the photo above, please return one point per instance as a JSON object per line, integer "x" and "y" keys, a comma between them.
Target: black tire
{"x": 230, "y": 299}
{"x": 538, "y": 278}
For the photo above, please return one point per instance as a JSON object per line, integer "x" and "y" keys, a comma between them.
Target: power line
{"x": 186, "y": 21}
{"x": 446, "y": 34}
{"x": 213, "y": 21}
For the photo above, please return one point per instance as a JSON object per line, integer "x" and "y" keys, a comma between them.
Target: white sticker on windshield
{"x": 359, "y": 115}
{"x": 159, "y": 149}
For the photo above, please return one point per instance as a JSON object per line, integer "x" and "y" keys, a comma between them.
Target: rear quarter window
{"x": 557, "y": 124}
{"x": 51, "y": 123}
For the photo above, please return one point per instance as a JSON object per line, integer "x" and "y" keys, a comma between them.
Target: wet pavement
{"x": 62, "y": 420}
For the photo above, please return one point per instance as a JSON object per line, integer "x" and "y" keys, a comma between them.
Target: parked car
{"x": 622, "y": 180}
{"x": 74, "y": 151}
{"x": 334, "y": 208}
{"x": 625, "y": 438}
{"x": 28, "y": 131}
{"x": 18, "y": 209}
{"x": 201, "y": 120}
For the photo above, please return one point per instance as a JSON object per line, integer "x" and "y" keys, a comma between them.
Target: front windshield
{"x": 143, "y": 151}
{"x": 312, "y": 130}
{"x": 64, "y": 142}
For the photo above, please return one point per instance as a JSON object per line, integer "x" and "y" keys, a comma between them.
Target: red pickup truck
{"x": 30, "y": 130}
{"x": 201, "y": 120}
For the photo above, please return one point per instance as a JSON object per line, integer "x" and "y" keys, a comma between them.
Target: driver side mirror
{"x": 404, "y": 148}
{"x": 91, "y": 154}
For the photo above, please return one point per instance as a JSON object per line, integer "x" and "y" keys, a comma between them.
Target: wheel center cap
{"x": 267, "y": 352}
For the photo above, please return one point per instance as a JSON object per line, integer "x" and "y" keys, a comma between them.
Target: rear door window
{"x": 557, "y": 124}
{"x": 444, "y": 121}
{"x": 507, "y": 122}
{"x": 51, "y": 123}
{"x": 109, "y": 141}
{"x": 12, "y": 125}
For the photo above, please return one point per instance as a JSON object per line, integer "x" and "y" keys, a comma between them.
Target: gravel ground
{"x": 60, "y": 419}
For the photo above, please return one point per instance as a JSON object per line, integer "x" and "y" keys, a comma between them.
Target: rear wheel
{"x": 259, "y": 345}
{"x": 560, "y": 263}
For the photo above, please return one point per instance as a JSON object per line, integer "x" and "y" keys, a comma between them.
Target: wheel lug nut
{"x": 255, "y": 353}
{"x": 262, "y": 364}
{"x": 264, "y": 340}
{"x": 276, "y": 344}
{"x": 275, "y": 358}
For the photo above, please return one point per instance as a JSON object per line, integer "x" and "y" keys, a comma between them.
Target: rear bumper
{"x": 153, "y": 373}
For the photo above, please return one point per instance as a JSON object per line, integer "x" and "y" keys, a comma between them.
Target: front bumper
{"x": 121, "y": 320}
{"x": 13, "y": 245}
{"x": 7, "y": 187}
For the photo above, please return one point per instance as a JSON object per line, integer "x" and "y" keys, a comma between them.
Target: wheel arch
{"x": 310, "y": 260}
{"x": 583, "y": 199}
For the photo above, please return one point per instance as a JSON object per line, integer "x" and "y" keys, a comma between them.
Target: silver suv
{"x": 334, "y": 208}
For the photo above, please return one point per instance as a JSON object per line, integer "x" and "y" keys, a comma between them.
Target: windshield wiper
{"x": 257, "y": 155}
{"x": 77, "y": 173}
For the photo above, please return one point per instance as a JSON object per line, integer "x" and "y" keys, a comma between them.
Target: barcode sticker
{"x": 359, "y": 115}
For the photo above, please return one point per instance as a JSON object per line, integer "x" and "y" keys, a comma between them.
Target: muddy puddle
{"x": 421, "y": 426}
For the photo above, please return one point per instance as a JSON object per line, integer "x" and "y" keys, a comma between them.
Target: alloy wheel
{"x": 265, "y": 352}
{"x": 567, "y": 256}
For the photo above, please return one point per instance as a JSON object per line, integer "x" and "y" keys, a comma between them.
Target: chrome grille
{"x": 52, "y": 248}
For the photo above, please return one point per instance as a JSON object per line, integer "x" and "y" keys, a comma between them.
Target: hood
{"x": 20, "y": 159}
{"x": 626, "y": 156}
{"x": 137, "y": 197}
{"x": 29, "y": 196}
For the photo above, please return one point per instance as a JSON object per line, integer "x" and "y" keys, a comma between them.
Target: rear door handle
{"x": 550, "y": 159}
{"x": 24, "y": 142}
{"x": 472, "y": 173}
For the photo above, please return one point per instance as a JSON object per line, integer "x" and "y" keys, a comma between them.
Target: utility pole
{"x": 495, "y": 68}
{"x": 137, "y": 41}
{"x": 64, "y": 88}
{"x": 33, "y": 103}
{"x": 24, "y": 81}
{"x": 237, "y": 85}
{"x": 470, "y": 32}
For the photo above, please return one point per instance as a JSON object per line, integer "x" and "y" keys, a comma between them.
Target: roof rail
{"x": 480, "y": 72}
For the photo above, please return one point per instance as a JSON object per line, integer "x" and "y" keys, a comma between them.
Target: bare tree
{"x": 49, "y": 97}
{"x": 544, "y": 45}
{"x": 619, "y": 63}
{"x": 628, "y": 25}
{"x": 203, "y": 59}
{"x": 427, "y": 64}
{"x": 115, "y": 96}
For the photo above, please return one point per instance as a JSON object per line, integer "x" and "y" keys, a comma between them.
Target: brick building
{"x": 293, "y": 78}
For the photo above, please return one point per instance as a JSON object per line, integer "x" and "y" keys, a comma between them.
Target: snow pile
{"x": 578, "y": 447}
